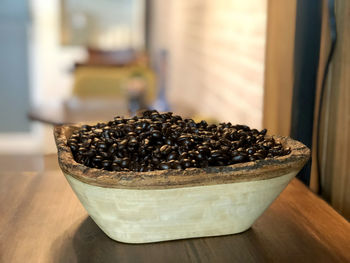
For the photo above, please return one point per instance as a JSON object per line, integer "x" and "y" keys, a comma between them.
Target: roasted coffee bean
{"x": 138, "y": 129}
{"x": 239, "y": 158}
{"x": 250, "y": 150}
{"x": 97, "y": 159}
{"x": 81, "y": 150}
{"x": 74, "y": 147}
{"x": 115, "y": 167}
{"x": 106, "y": 164}
{"x": 156, "y": 134}
{"x": 199, "y": 156}
{"x": 104, "y": 155}
{"x": 133, "y": 142}
{"x": 258, "y": 156}
{"x": 193, "y": 163}
{"x": 168, "y": 141}
{"x": 216, "y": 153}
{"x": 164, "y": 166}
{"x": 165, "y": 149}
{"x": 117, "y": 160}
{"x": 175, "y": 164}
{"x": 89, "y": 153}
{"x": 156, "y": 140}
{"x": 112, "y": 148}
{"x": 203, "y": 150}
{"x": 123, "y": 144}
{"x": 185, "y": 163}
{"x": 125, "y": 162}
{"x": 155, "y": 160}
{"x": 263, "y": 132}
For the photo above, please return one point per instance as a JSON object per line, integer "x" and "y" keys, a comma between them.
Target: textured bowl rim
{"x": 165, "y": 179}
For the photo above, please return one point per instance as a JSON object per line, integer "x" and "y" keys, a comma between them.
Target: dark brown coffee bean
{"x": 156, "y": 134}
{"x": 263, "y": 132}
{"x": 165, "y": 149}
{"x": 123, "y": 144}
{"x": 97, "y": 159}
{"x": 239, "y": 158}
{"x": 115, "y": 167}
{"x": 155, "y": 160}
{"x": 125, "y": 162}
{"x": 74, "y": 147}
{"x": 106, "y": 164}
{"x": 104, "y": 155}
{"x": 216, "y": 153}
{"x": 153, "y": 139}
{"x": 117, "y": 160}
{"x": 175, "y": 164}
{"x": 258, "y": 156}
{"x": 112, "y": 148}
{"x": 185, "y": 163}
{"x": 164, "y": 166}
{"x": 250, "y": 150}
{"x": 172, "y": 156}
{"x": 133, "y": 142}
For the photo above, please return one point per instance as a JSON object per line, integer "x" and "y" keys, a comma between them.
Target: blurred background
{"x": 247, "y": 62}
{"x": 197, "y": 58}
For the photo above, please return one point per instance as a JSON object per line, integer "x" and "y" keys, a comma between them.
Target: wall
{"x": 51, "y": 63}
{"x": 14, "y": 88}
{"x": 49, "y": 78}
{"x": 279, "y": 66}
{"x": 216, "y": 55}
{"x": 335, "y": 118}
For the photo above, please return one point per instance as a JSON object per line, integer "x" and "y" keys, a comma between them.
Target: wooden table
{"x": 42, "y": 221}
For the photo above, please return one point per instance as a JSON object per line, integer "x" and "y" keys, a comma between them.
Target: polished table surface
{"x": 41, "y": 220}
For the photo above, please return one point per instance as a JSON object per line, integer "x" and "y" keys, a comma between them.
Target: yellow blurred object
{"x": 209, "y": 120}
{"x": 112, "y": 82}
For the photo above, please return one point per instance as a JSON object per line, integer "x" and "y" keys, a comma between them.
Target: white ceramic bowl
{"x": 141, "y": 207}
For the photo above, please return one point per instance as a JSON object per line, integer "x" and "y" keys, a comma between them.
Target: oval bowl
{"x": 142, "y": 207}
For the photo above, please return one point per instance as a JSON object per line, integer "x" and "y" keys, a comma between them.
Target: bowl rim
{"x": 166, "y": 179}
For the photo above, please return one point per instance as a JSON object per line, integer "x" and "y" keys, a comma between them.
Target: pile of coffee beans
{"x": 156, "y": 141}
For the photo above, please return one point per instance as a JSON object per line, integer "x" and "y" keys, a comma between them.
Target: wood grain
{"x": 335, "y": 118}
{"x": 324, "y": 51}
{"x": 279, "y": 61}
{"x": 42, "y": 221}
{"x": 341, "y": 82}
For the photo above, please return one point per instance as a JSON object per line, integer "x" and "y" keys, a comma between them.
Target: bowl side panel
{"x": 140, "y": 216}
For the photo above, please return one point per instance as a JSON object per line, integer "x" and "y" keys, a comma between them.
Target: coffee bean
{"x": 117, "y": 160}
{"x": 133, "y": 142}
{"x": 172, "y": 156}
{"x": 97, "y": 159}
{"x": 125, "y": 162}
{"x": 165, "y": 149}
{"x": 239, "y": 158}
{"x": 156, "y": 140}
{"x": 164, "y": 166}
{"x": 74, "y": 147}
{"x": 186, "y": 163}
{"x": 216, "y": 153}
{"x": 156, "y": 134}
{"x": 263, "y": 132}
{"x": 112, "y": 148}
{"x": 175, "y": 164}
{"x": 106, "y": 164}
